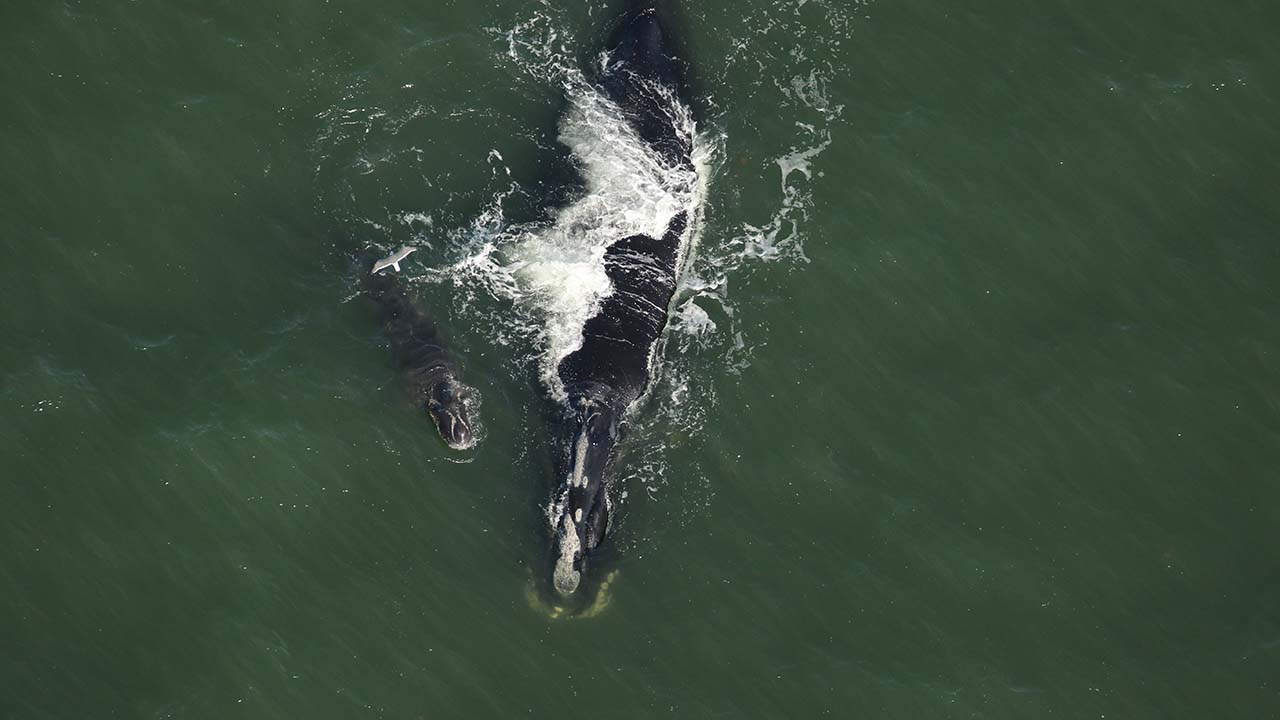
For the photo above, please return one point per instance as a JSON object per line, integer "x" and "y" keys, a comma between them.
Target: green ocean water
{"x": 976, "y": 415}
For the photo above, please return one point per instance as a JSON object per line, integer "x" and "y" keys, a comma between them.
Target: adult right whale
{"x": 609, "y": 373}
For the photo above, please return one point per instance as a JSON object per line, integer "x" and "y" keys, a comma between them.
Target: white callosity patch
{"x": 578, "y": 478}
{"x": 565, "y": 577}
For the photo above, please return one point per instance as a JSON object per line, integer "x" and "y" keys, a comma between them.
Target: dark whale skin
{"x": 423, "y": 359}
{"x": 612, "y": 369}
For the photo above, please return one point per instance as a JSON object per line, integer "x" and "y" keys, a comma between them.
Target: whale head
{"x": 580, "y": 516}
{"x": 570, "y": 560}
{"x": 447, "y": 405}
{"x": 578, "y": 534}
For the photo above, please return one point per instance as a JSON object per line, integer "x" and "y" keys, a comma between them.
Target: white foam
{"x": 412, "y": 218}
{"x": 800, "y": 161}
{"x": 630, "y": 190}
{"x": 695, "y": 321}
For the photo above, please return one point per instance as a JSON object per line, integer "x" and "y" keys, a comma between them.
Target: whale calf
{"x": 420, "y": 353}
{"x": 610, "y": 371}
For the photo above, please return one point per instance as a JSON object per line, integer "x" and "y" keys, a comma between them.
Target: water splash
{"x": 548, "y": 276}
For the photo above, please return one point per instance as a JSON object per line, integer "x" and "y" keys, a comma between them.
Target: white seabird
{"x": 392, "y": 260}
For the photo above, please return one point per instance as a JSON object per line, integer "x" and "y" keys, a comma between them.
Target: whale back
{"x": 641, "y": 41}
{"x": 618, "y": 341}
{"x": 644, "y": 76}
{"x": 416, "y": 342}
